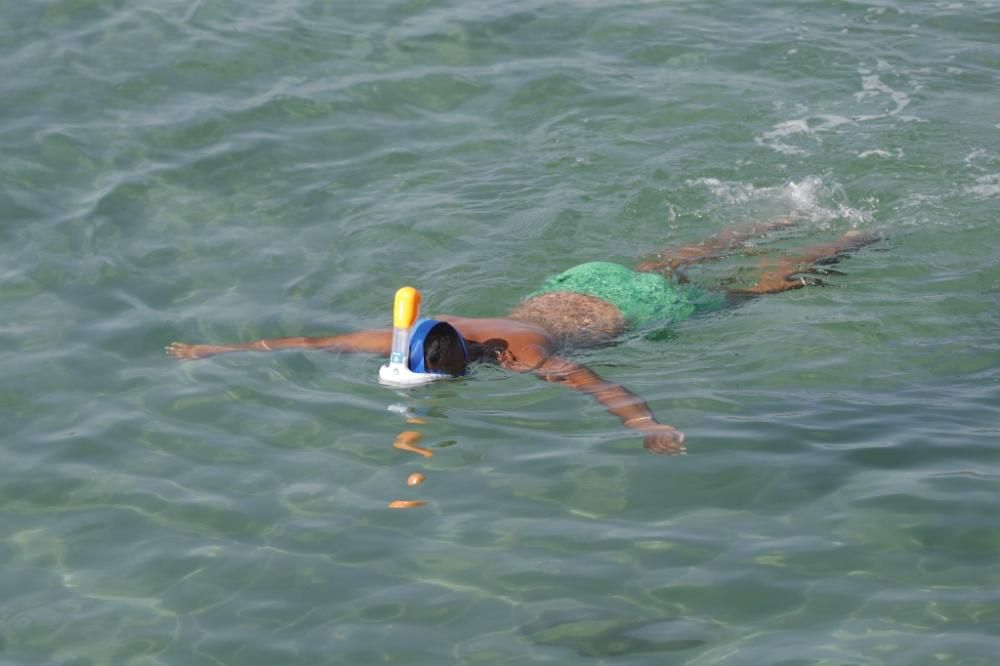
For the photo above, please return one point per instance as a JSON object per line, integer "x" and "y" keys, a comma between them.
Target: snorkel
{"x": 406, "y": 359}
{"x": 405, "y": 309}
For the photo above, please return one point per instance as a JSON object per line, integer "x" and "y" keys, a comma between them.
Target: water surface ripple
{"x": 222, "y": 171}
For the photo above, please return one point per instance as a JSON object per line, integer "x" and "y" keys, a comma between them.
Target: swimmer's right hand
{"x": 659, "y": 438}
{"x": 186, "y": 352}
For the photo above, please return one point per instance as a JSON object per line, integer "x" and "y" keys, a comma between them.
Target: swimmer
{"x": 587, "y": 305}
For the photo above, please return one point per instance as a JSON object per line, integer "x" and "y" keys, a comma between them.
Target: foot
{"x": 797, "y": 271}
{"x": 855, "y": 239}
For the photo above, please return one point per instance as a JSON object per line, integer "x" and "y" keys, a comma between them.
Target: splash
{"x": 810, "y": 199}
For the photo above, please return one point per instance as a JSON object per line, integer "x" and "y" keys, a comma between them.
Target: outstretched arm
{"x": 630, "y": 408}
{"x": 375, "y": 342}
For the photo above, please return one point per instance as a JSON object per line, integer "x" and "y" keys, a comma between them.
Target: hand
{"x": 186, "y": 352}
{"x": 663, "y": 439}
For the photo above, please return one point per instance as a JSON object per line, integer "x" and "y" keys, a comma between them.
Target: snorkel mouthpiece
{"x": 406, "y": 308}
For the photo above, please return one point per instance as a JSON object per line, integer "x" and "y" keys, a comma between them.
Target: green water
{"x": 217, "y": 171}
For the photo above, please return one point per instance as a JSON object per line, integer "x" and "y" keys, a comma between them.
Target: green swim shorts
{"x": 641, "y": 297}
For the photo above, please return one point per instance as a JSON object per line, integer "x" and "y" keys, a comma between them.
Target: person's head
{"x": 436, "y": 347}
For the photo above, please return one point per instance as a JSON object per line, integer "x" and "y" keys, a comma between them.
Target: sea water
{"x": 221, "y": 171}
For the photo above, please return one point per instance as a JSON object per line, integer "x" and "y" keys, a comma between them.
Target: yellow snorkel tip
{"x": 406, "y": 307}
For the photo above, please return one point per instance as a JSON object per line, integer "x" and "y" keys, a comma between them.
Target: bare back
{"x": 572, "y": 319}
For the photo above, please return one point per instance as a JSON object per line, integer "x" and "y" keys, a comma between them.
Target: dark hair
{"x": 444, "y": 351}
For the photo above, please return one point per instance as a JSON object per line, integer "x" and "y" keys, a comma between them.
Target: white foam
{"x": 873, "y": 86}
{"x": 808, "y": 126}
{"x": 812, "y": 126}
{"x": 874, "y": 153}
{"x": 977, "y": 155}
{"x": 986, "y": 186}
{"x": 773, "y": 138}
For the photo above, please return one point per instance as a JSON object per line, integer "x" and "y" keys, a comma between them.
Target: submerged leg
{"x": 784, "y": 273}
{"x": 716, "y": 246}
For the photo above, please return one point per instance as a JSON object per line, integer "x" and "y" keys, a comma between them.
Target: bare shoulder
{"x": 525, "y": 343}
{"x": 482, "y": 330}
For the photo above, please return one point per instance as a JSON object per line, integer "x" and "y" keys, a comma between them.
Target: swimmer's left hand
{"x": 659, "y": 438}
{"x": 185, "y": 352}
